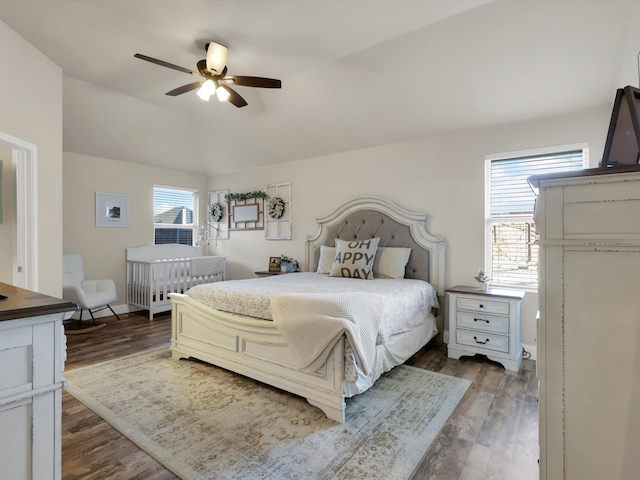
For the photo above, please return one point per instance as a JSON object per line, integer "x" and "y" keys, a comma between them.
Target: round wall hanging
{"x": 276, "y": 207}
{"x": 215, "y": 212}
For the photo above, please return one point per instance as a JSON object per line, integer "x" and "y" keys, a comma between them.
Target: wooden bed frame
{"x": 255, "y": 348}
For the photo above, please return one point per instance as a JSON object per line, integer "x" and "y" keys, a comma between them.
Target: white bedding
{"x": 312, "y": 323}
{"x": 402, "y": 299}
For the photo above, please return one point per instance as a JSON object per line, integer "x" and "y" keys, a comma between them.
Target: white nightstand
{"x": 485, "y": 322}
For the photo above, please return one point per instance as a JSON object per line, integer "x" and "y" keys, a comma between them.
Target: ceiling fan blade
{"x": 253, "y": 81}
{"x": 166, "y": 64}
{"x": 234, "y": 97}
{"x": 184, "y": 89}
{"x": 216, "y": 57}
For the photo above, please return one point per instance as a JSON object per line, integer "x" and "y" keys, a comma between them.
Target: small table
{"x": 267, "y": 273}
{"x": 485, "y": 322}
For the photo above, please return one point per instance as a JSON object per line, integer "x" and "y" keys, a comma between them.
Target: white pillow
{"x": 327, "y": 256}
{"x": 354, "y": 259}
{"x": 390, "y": 262}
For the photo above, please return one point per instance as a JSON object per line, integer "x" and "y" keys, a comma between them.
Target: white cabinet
{"x": 485, "y": 322}
{"x": 589, "y": 328}
{"x": 32, "y": 351}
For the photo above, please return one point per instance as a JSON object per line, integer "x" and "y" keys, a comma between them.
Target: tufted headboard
{"x": 370, "y": 217}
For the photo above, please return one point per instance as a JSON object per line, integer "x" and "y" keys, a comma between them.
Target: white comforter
{"x": 311, "y": 324}
{"x": 401, "y": 299}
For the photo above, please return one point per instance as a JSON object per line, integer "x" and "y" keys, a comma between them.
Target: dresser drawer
{"x": 482, "y": 322}
{"x": 483, "y": 340}
{"x": 479, "y": 304}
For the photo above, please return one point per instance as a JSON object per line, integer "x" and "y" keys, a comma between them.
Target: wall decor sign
{"x": 245, "y": 213}
{"x": 112, "y": 210}
{"x": 246, "y": 210}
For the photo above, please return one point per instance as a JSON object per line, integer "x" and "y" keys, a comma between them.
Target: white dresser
{"x": 589, "y": 329}
{"x": 485, "y": 322}
{"x": 32, "y": 348}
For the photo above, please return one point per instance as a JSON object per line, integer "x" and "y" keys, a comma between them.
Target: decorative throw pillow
{"x": 354, "y": 259}
{"x": 390, "y": 262}
{"x": 327, "y": 256}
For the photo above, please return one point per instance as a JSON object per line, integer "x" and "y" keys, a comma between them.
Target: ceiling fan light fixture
{"x": 222, "y": 94}
{"x": 216, "y": 57}
{"x": 207, "y": 89}
{"x": 213, "y": 78}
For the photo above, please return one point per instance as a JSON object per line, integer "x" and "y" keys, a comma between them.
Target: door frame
{"x": 25, "y": 233}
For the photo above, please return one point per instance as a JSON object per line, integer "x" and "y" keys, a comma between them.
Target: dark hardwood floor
{"x": 492, "y": 434}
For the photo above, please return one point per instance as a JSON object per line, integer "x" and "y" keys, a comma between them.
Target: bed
{"x": 264, "y": 349}
{"x": 154, "y": 271}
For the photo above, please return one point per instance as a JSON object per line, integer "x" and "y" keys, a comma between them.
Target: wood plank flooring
{"x": 492, "y": 434}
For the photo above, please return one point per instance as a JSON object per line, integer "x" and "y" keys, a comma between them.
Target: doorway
{"x": 25, "y": 232}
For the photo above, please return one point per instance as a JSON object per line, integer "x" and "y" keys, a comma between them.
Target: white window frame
{"x": 490, "y": 221}
{"x": 192, "y": 226}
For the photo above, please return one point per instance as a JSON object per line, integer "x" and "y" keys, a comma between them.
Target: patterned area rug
{"x": 203, "y": 422}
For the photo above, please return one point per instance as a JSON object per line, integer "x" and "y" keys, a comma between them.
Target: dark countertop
{"x": 21, "y": 303}
{"x": 590, "y": 172}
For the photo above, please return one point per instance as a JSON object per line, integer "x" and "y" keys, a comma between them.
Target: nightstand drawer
{"x": 483, "y": 340}
{"x": 481, "y": 321}
{"x": 479, "y": 304}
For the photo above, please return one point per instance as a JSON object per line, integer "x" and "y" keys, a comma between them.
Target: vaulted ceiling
{"x": 355, "y": 74}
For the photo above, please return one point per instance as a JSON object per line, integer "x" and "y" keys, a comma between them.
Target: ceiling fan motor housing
{"x": 216, "y": 57}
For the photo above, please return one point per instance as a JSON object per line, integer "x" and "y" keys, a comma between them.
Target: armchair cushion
{"x": 88, "y": 294}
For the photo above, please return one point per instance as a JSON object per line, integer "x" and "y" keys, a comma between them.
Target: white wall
{"x": 443, "y": 176}
{"x": 31, "y": 87}
{"x": 103, "y": 249}
{"x": 108, "y": 124}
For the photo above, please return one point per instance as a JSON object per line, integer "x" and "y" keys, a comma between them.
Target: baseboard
{"x": 532, "y": 350}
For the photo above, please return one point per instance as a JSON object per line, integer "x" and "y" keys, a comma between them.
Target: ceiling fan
{"x": 213, "y": 70}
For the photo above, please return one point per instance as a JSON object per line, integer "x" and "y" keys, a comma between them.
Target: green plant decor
{"x": 245, "y": 196}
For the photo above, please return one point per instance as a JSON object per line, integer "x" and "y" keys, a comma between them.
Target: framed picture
{"x": 245, "y": 213}
{"x": 112, "y": 210}
{"x": 274, "y": 264}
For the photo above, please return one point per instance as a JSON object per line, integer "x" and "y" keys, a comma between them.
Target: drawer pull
{"x": 478, "y": 341}
{"x": 480, "y": 320}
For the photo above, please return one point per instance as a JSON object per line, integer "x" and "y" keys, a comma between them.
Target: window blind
{"x": 510, "y": 230}
{"x": 510, "y": 191}
{"x": 174, "y": 211}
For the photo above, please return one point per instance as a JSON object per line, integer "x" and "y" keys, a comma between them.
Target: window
{"x": 511, "y": 254}
{"x": 174, "y": 211}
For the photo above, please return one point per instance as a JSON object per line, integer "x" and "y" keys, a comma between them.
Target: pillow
{"x": 390, "y": 262}
{"x": 327, "y": 256}
{"x": 354, "y": 259}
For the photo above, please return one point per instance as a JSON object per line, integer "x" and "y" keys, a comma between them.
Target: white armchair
{"x": 92, "y": 295}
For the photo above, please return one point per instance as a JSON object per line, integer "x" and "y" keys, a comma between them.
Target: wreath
{"x": 276, "y": 207}
{"x": 215, "y": 212}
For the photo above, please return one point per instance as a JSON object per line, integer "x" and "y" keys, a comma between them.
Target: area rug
{"x": 203, "y": 422}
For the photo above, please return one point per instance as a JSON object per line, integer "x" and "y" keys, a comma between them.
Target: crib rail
{"x": 149, "y": 283}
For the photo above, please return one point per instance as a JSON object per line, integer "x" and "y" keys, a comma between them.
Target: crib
{"x": 155, "y": 271}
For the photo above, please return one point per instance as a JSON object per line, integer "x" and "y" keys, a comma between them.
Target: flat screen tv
{"x": 623, "y": 140}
